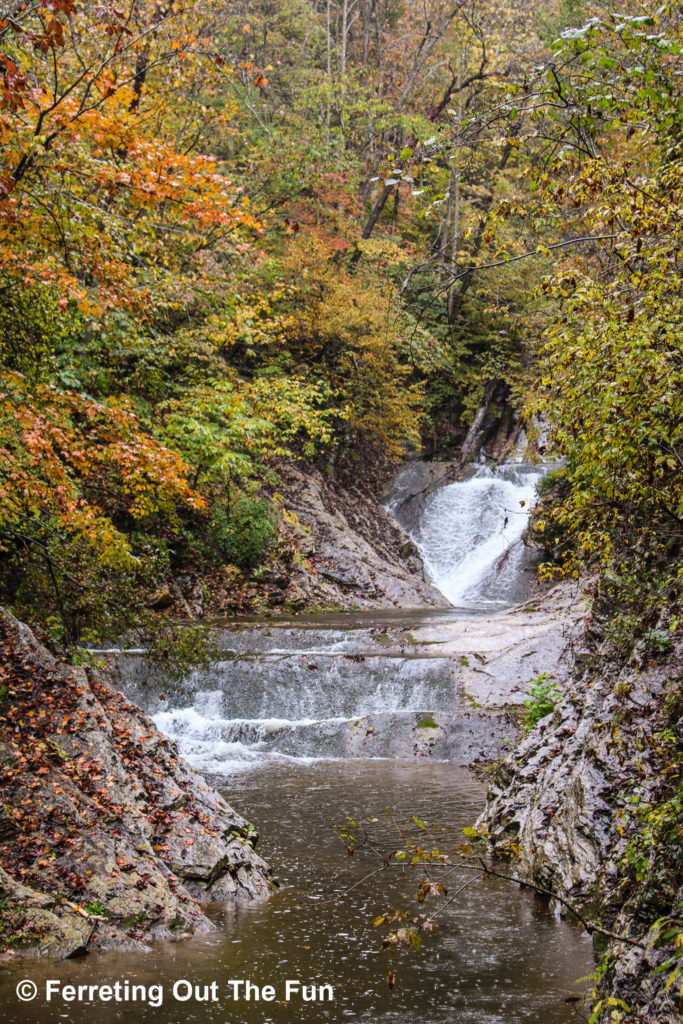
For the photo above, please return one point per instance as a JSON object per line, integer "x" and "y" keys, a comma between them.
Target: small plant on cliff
{"x": 657, "y": 641}
{"x": 16, "y": 929}
{"x": 543, "y": 696}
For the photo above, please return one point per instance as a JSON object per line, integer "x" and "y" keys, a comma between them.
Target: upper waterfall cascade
{"x": 469, "y": 534}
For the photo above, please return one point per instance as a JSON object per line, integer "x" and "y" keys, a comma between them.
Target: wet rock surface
{"x": 567, "y": 806}
{"x": 497, "y": 655}
{"x": 107, "y": 837}
{"x": 355, "y": 554}
{"x": 462, "y": 737}
{"x": 336, "y": 547}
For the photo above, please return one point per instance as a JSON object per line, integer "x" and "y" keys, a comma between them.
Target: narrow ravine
{"x": 309, "y": 721}
{"x": 346, "y": 714}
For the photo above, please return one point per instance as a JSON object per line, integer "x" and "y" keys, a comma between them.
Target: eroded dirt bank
{"x": 107, "y": 837}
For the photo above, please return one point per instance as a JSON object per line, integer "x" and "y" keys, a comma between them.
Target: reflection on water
{"x": 501, "y": 956}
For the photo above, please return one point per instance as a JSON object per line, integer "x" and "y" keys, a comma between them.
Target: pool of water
{"x": 501, "y": 956}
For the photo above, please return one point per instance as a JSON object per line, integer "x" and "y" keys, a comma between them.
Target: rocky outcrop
{"x": 107, "y": 837}
{"x": 569, "y": 806}
{"x": 497, "y": 655}
{"x": 337, "y": 547}
{"x": 359, "y": 555}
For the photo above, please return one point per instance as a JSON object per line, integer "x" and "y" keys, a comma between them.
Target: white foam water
{"x": 223, "y": 746}
{"x": 261, "y": 710}
{"x": 470, "y": 535}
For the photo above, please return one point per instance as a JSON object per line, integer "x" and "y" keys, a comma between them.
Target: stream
{"x": 309, "y": 722}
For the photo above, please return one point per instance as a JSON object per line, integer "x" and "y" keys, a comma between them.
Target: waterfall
{"x": 469, "y": 535}
{"x": 300, "y": 704}
{"x": 374, "y": 686}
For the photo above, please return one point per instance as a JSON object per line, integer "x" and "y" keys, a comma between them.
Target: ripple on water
{"x": 501, "y": 955}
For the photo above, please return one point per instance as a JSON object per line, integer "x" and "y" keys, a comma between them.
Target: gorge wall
{"x": 107, "y": 837}
{"x": 588, "y": 807}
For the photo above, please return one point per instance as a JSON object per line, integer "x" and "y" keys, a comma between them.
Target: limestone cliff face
{"x": 107, "y": 837}
{"x": 565, "y": 805}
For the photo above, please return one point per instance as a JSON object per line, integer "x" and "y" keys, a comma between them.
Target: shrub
{"x": 242, "y": 533}
{"x": 553, "y": 481}
{"x": 543, "y": 696}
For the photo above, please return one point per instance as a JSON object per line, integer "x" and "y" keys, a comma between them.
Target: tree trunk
{"x": 394, "y": 218}
{"x": 376, "y": 210}
{"x": 329, "y": 72}
{"x": 366, "y": 10}
{"x": 344, "y": 33}
{"x": 142, "y": 64}
{"x": 470, "y": 446}
{"x": 455, "y": 235}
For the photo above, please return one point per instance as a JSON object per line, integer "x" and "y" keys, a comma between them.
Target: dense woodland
{"x": 235, "y": 235}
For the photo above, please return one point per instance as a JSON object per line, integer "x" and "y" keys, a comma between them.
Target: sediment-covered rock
{"x": 107, "y": 836}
